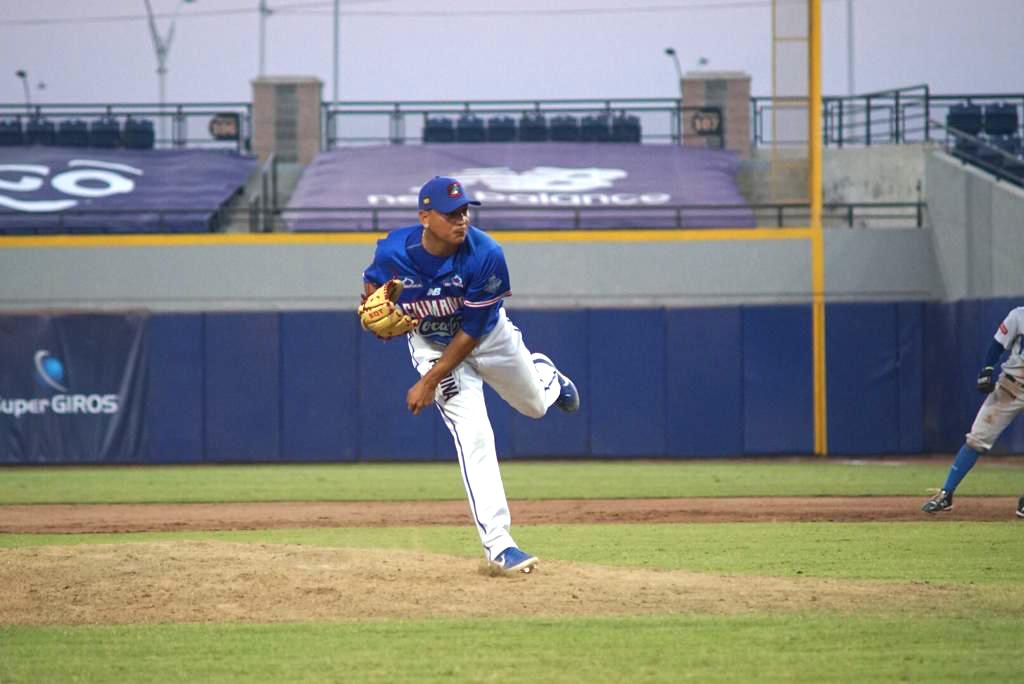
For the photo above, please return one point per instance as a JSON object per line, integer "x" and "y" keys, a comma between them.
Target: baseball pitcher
{"x": 441, "y": 283}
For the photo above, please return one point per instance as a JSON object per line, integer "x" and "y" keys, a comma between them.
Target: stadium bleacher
{"x": 40, "y": 131}
{"x": 533, "y": 127}
{"x": 92, "y": 190}
{"x": 989, "y": 137}
{"x": 527, "y": 185}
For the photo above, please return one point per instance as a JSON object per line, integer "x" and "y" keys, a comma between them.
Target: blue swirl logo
{"x": 51, "y": 370}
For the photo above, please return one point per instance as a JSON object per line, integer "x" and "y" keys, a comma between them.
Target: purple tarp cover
{"x": 523, "y": 185}
{"x": 65, "y": 189}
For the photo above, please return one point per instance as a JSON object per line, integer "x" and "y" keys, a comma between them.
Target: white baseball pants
{"x": 996, "y": 413}
{"x": 502, "y": 360}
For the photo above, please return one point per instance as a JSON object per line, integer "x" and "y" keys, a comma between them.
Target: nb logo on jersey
{"x": 433, "y": 292}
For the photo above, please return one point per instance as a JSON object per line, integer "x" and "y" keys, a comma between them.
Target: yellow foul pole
{"x": 817, "y": 232}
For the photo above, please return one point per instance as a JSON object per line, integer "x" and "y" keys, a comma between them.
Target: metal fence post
{"x": 867, "y": 121}
{"x": 896, "y": 121}
{"x": 842, "y": 131}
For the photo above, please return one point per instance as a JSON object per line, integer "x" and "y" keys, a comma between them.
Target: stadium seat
{"x": 501, "y": 129}
{"x": 565, "y": 128}
{"x": 1007, "y": 143}
{"x": 438, "y": 130}
{"x": 626, "y": 128}
{"x": 1015, "y": 169}
{"x": 965, "y": 118}
{"x": 989, "y": 157}
{"x": 596, "y": 128}
{"x": 40, "y": 131}
{"x": 138, "y": 134}
{"x": 1001, "y": 119}
{"x": 105, "y": 132}
{"x": 73, "y": 133}
{"x": 533, "y": 127}
{"x": 470, "y": 128}
{"x": 11, "y": 133}
{"x": 965, "y": 149}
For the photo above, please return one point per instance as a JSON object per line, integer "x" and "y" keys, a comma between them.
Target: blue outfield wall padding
{"x": 704, "y": 382}
{"x": 862, "y": 350}
{"x": 561, "y": 336}
{"x": 175, "y": 407}
{"x": 943, "y": 429}
{"x": 778, "y": 384}
{"x": 385, "y": 375}
{"x": 319, "y": 386}
{"x": 910, "y": 385}
{"x": 243, "y": 388}
{"x": 627, "y": 382}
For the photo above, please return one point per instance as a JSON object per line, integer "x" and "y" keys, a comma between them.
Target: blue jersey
{"x": 459, "y": 292}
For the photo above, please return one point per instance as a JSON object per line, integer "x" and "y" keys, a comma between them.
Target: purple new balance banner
{"x": 62, "y": 189}
{"x": 524, "y": 185}
{"x": 72, "y": 388}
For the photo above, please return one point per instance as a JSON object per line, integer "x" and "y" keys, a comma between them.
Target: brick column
{"x": 286, "y": 117}
{"x": 730, "y": 92}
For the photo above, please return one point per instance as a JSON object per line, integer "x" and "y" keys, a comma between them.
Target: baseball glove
{"x": 986, "y": 383}
{"x": 382, "y": 316}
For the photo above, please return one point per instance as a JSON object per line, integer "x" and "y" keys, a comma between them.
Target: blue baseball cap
{"x": 443, "y": 194}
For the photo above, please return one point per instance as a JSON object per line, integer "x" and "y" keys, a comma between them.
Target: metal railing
{"x": 351, "y": 123}
{"x": 264, "y": 216}
{"x": 898, "y": 115}
{"x": 886, "y": 117}
{"x": 224, "y": 125}
{"x": 263, "y": 209}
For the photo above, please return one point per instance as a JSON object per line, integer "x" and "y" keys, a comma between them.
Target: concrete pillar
{"x": 730, "y": 92}
{"x": 286, "y": 117}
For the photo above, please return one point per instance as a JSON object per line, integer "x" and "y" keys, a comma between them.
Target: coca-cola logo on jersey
{"x": 38, "y": 188}
{"x": 445, "y": 327}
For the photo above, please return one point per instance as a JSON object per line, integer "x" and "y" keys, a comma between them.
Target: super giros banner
{"x": 72, "y": 388}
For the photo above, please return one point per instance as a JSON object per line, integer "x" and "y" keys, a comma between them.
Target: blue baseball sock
{"x": 962, "y": 464}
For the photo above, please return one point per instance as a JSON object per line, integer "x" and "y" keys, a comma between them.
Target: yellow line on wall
{"x": 505, "y": 236}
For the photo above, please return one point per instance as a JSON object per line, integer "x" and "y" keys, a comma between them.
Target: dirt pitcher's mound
{"x": 253, "y": 516}
{"x": 203, "y": 581}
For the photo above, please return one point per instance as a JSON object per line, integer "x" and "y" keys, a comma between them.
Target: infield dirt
{"x": 203, "y": 581}
{"x": 85, "y": 518}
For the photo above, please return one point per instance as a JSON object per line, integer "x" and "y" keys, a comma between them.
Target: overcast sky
{"x": 518, "y": 49}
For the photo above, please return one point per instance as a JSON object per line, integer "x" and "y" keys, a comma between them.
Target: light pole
{"x": 849, "y": 47}
{"x": 23, "y": 75}
{"x": 337, "y": 47}
{"x": 264, "y": 13}
{"x": 671, "y": 52}
{"x": 162, "y": 47}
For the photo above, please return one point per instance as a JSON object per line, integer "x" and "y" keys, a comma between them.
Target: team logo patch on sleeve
{"x": 492, "y": 284}
{"x": 1003, "y": 329}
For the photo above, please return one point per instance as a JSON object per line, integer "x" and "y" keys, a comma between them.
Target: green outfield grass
{"x": 791, "y": 648}
{"x": 972, "y": 634}
{"x": 523, "y": 480}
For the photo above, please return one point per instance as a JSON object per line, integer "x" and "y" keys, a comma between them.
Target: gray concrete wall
{"x": 977, "y": 230}
{"x": 879, "y": 173}
{"x": 257, "y": 274}
{"x": 972, "y": 249}
{"x": 884, "y": 173}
